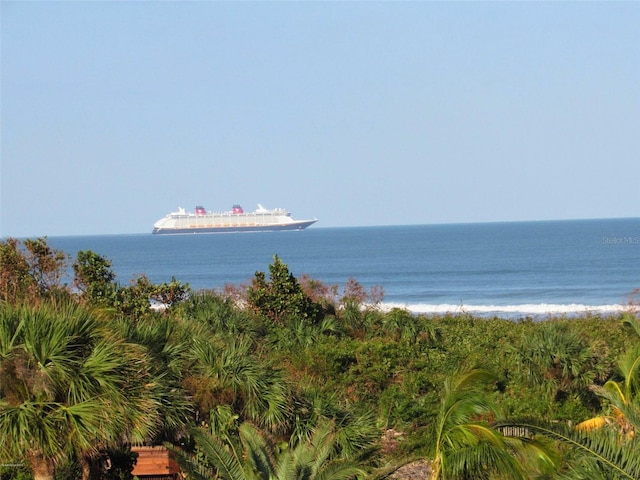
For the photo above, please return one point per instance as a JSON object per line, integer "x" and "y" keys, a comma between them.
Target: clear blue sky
{"x": 358, "y": 113}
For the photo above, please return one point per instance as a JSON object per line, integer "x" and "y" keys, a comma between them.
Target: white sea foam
{"x": 510, "y": 311}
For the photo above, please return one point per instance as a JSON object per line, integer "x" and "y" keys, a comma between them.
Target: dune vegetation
{"x": 289, "y": 378}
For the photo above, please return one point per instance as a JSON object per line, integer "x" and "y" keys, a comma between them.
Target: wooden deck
{"x": 155, "y": 463}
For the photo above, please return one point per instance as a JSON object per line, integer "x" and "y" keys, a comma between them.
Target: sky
{"x": 363, "y": 113}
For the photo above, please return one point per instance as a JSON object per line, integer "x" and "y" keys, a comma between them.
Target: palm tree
{"x": 465, "y": 446}
{"x": 622, "y": 396}
{"x": 406, "y": 327}
{"x": 558, "y": 361}
{"x": 259, "y": 457}
{"x": 219, "y": 314}
{"x": 165, "y": 342}
{"x": 316, "y": 458}
{"x": 67, "y": 386}
{"x": 356, "y": 435}
{"x": 623, "y": 393}
{"x": 605, "y": 446}
{"x": 226, "y": 371}
{"x": 598, "y": 453}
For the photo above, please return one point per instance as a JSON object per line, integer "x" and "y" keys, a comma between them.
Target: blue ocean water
{"x": 508, "y": 269}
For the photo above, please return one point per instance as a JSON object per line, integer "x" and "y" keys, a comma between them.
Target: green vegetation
{"x": 293, "y": 379}
{"x": 260, "y": 457}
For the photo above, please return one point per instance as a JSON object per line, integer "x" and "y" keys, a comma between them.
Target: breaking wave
{"x": 540, "y": 310}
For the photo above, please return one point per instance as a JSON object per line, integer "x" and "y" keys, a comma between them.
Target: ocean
{"x": 512, "y": 270}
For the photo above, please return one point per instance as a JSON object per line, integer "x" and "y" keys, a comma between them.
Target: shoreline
{"x": 539, "y": 311}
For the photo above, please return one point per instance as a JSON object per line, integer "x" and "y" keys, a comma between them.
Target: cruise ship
{"x": 232, "y": 221}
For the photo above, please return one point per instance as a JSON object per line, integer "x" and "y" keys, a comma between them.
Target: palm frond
{"x": 339, "y": 470}
{"x": 189, "y": 465}
{"x": 630, "y": 369}
{"x": 225, "y": 463}
{"x": 322, "y": 444}
{"x": 604, "y": 446}
{"x": 471, "y": 379}
{"x": 259, "y": 450}
{"x": 10, "y": 330}
{"x": 631, "y": 321}
{"x": 482, "y": 459}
